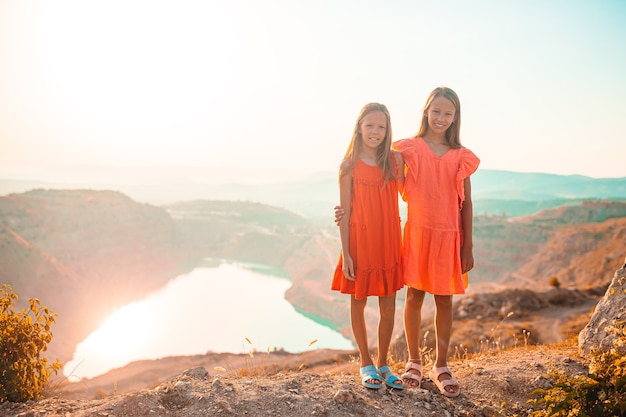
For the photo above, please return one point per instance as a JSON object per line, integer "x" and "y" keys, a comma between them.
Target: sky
{"x": 246, "y": 89}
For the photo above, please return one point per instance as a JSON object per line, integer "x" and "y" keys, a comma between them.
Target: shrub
{"x": 554, "y": 282}
{"x": 600, "y": 393}
{"x": 23, "y": 337}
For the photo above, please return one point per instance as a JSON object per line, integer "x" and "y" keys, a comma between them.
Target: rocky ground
{"x": 320, "y": 383}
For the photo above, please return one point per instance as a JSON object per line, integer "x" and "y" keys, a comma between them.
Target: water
{"x": 223, "y": 309}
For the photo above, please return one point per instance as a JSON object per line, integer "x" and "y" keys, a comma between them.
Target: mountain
{"x": 494, "y": 192}
{"x": 85, "y": 253}
{"x": 507, "y": 185}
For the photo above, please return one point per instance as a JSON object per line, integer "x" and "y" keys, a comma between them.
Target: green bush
{"x": 600, "y": 393}
{"x": 23, "y": 337}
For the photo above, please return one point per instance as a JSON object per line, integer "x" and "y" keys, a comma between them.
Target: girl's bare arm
{"x": 467, "y": 213}
{"x": 345, "y": 200}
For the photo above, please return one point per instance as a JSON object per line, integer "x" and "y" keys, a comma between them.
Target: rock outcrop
{"x": 610, "y": 310}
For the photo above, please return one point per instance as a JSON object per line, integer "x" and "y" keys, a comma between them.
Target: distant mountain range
{"x": 494, "y": 192}
{"x": 506, "y": 185}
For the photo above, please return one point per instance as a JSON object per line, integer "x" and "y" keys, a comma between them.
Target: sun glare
{"x": 132, "y": 81}
{"x": 194, "y": 314}
{"x": 121, "y": 337}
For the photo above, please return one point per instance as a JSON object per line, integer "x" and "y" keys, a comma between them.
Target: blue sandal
{"x": 391, "y": 380}
{"x": 369, "y": 373}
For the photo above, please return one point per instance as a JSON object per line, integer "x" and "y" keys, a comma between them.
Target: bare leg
{"x": 412, "y": 327}
{"x": 443, "y": 333}
{"x": 359, "y": 329}
{"x": 387, "y": 309}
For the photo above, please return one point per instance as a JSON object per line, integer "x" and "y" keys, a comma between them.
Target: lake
{"x": 232, "y": 308}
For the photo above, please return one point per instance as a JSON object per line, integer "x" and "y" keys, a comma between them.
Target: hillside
{"x": 85, "y": 253}
{"x": 315, "y": 383}
{"x": 81, "y": 253}
{"x": 523, "y": 251}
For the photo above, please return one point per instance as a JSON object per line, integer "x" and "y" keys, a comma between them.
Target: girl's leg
{"x": 412, "y": 328}
{"x": 359, "y": 329}
{"x": 443, "y": 328}
{"x": 443, "y": 333}
{"x": 387, "y": 309}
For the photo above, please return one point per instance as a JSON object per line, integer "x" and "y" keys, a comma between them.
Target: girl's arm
{"x": 467, "y": 213}
{"x": 398, "y": 171}
{"x": 345, "y": 199}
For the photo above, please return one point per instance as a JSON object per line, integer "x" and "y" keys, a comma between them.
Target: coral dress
{"x": 375, "y": 236}
{"x": 434, "y": 191}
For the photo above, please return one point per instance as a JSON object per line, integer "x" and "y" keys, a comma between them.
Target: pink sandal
{"x": 434, "y": 375}
{"x": 408, "y": 375}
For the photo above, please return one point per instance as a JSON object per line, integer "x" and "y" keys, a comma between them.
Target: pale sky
{"x": 109, "y": 89}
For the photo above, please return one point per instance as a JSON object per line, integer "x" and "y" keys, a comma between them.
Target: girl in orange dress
{"x": 437, "y": 252}
{"x": 371, "y": 237}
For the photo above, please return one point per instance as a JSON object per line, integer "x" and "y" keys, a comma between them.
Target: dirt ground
{"x": 313, "y": 383}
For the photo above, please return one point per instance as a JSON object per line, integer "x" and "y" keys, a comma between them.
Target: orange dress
{"x": 375, "y": 236}
{"x": 434, "y": 192}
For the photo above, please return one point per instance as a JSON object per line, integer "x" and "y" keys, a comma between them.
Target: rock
{"x": 344, "y": 396}
{"x": 197, "y": 373}
{"x": 611, "y": 308}
{"x": 217, "y": 384}
{"x": 542, "y": 382}
{"x": 491, "y": 411}
{"x": 182, "y": 386}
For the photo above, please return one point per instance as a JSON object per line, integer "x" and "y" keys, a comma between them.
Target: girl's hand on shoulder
{"x": 398, "y": 171}
{"x": 348, "y": 268}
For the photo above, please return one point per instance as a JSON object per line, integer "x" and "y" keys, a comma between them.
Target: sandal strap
{"x": 447, "y": 382}
{"x": 414, "y": 365}
{"x": 369, "y": 372}
{"x": 442, "y": 370}
{"x": 383, "y": 370}
{"x": 390, "y": 378}
{"x": 412, "y": 375}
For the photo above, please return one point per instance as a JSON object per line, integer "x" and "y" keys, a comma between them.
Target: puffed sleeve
{"x": 406, "y": 147}
{"x": 468, "y": 164}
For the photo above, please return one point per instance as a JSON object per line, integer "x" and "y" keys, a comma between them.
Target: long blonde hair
{"x": 453, "y": 134}
{"x": 383, "y": 152}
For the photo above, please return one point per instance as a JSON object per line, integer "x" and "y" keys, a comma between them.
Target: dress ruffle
{"x": 406, "y": 148}
{"x": 467, "y": 166}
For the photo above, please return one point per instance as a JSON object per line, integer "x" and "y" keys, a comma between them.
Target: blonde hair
{"x": 383, "y": 152}
{"x": 454, "y": 131}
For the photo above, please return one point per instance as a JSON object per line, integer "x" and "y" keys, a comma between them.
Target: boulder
{"x": 611, "y": 309}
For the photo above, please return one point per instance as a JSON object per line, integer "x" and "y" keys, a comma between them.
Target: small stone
{"x": 216, "y": 384}
{"x": 344, "y": 396}
{"x": 541, "y": 382}
{"x": 182, "y": 385}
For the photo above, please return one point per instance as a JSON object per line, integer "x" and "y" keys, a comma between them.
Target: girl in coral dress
{"x": 371, "y": 237}
{"x": 438, "y": 244}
